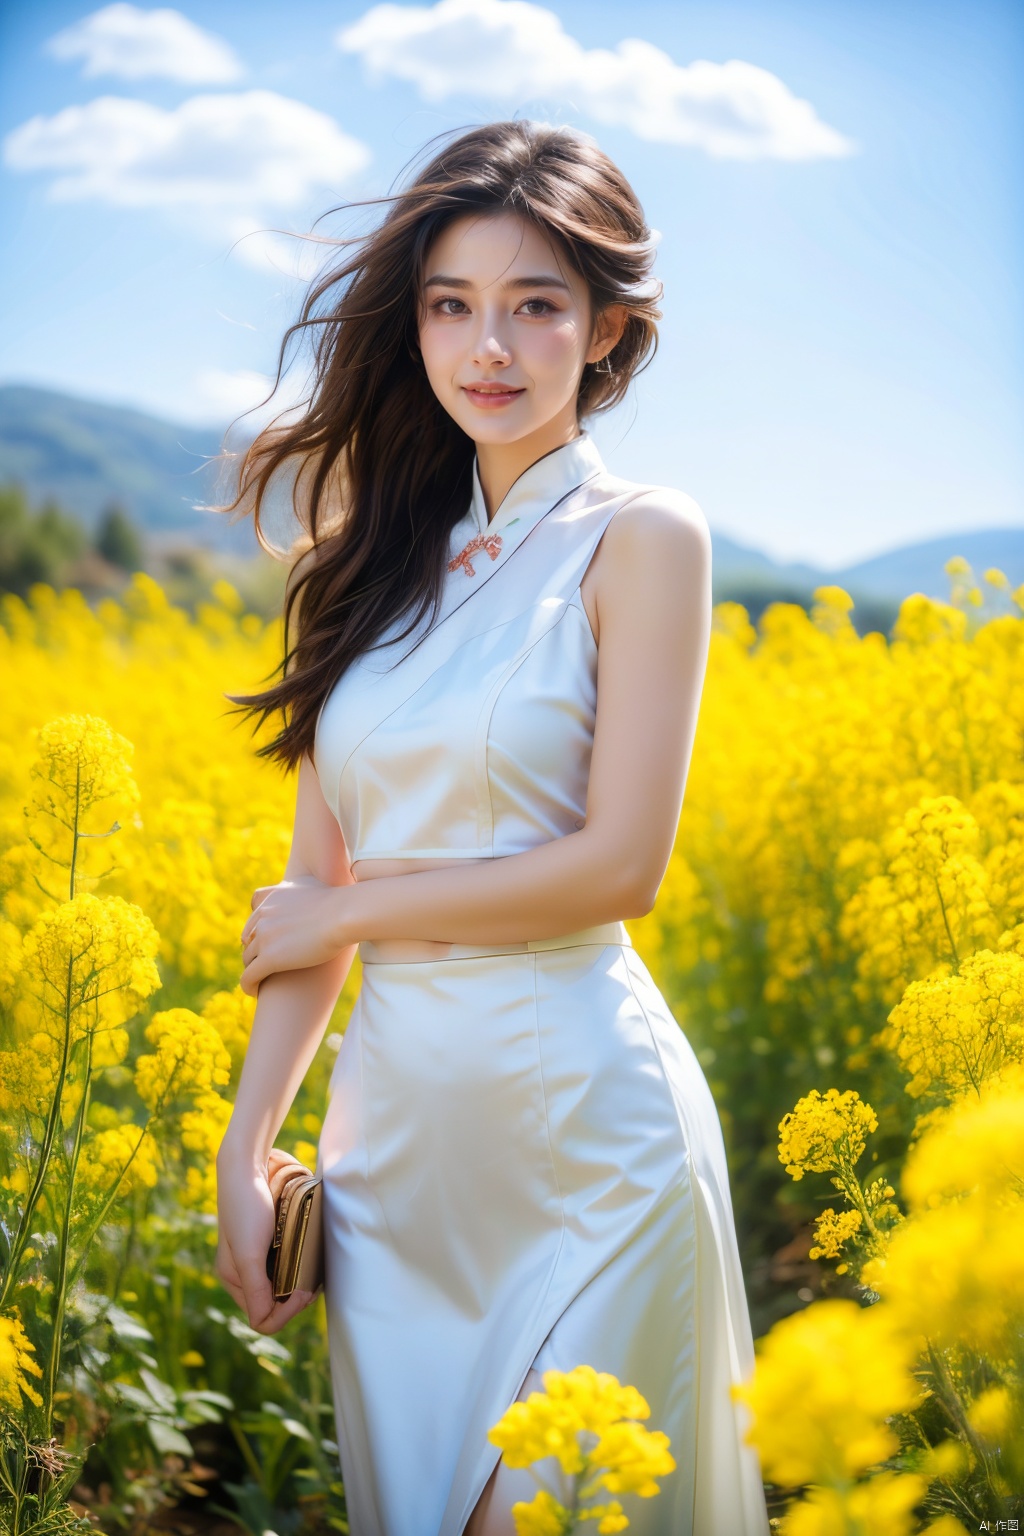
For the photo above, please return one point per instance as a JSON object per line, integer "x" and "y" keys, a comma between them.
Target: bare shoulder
{"x": 660, "y": 520}
{"x": 659, "y": 538}
{"x": 656, "y": 549}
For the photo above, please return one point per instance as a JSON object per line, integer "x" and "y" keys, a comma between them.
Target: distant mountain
{"x": 85, "y": 454}
{"x": 877, "y": 586}
{"x": 919, "y": 567}
{"x": 734, "y": 562}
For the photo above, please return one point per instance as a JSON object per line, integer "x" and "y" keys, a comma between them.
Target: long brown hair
{"x": 383, "y": 472}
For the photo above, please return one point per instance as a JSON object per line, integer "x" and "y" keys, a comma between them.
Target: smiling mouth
{"x": 500, "y": 390}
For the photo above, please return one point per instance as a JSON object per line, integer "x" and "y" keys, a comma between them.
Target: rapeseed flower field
{"x": 840, "y": 932}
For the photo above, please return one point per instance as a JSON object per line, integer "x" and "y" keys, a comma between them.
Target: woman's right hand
{"x": 245, "y": 1217}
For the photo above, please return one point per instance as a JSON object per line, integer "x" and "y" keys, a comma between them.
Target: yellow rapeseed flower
{"x": 542, "y": 1516}
{"x": 954, "y": 1270}
{"x": 28, "y": 1076}
{"x": 630, "y": 1458}
{"x": 95, "y": 955}
{"x": 588, "y": 1420}
{"x": 975, "y": 1148}
{"x": 189, "y": 1060}
{"x": 16, "y": 1365}
{"x": 81, "y": 763}
{"x": 231, "y": 1014}
{"x": 953, "y": 1276}
{"x": 121, "y": 1149}
{"x": 202, "y": 1129}
{"x": 885, "y": 1504}
{"x": 832, "y": 1230}
{"x": 991, "y": 1414}
{"x": 824, "y": 1132}
{"x": 825, "y": 1381}
{"x": 932, "y": 904}
{"x": 952, "y": 1031}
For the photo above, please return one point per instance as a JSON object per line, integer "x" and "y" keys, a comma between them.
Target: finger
{"x": 260, "y": 894}
{"x": 251, "y": 977}
{"x": 284, "y": 1311}
{"x": 227, "y": 1273}
{"x": 258, "y": 1293}
{"x": 235, "y": 1291}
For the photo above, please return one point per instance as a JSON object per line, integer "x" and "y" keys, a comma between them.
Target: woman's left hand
{"x": 294, "y": 924}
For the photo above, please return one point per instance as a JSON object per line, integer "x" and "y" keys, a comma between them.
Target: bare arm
{"x": 292, "y": 1013}
{"x": 653, "y": 595}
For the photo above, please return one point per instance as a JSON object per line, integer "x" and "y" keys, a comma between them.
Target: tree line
{"x": 46, "y": 543}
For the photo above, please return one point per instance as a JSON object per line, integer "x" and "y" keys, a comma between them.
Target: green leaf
{"x": 268, "y": 1349}
{"x": 161, "y": 1393}
{"x": 204, "y": 1395}
{"x": 295, "y": 1428}
{"x": 168, "y": 1440}
{"x": 126, "y": 1326}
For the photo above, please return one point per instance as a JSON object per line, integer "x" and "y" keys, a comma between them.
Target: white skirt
{"x": 523, "y": 1165}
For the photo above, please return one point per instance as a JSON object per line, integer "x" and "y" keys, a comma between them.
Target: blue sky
{"x": 838, "y": 189}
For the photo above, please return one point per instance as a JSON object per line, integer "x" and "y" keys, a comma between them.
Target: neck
{"x": 499, "y": 465}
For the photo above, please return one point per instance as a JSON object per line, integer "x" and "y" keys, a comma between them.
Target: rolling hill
{"x": 85, "y": 454}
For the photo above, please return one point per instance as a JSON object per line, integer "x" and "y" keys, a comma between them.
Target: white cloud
{"x": 233, "y": 159}
{"x": 515, "y": 51}
{"x": 218, "y": 394}
{"x": 123, "y": 40}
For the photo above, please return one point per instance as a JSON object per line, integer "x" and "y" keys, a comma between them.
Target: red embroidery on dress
{"x": 491, "y": 542}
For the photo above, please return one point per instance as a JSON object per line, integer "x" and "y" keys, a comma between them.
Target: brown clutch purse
{"x": 295, "y": 1259}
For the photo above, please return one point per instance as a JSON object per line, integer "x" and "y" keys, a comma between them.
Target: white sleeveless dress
{"x": 523, "y": 1164}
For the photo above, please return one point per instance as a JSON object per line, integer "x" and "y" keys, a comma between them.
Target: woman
{"x": 523, "y": 1165}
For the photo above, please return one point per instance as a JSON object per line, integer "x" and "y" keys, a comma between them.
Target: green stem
{"x": 54, "y": 1117}
{"x": 242, "y": 1441}
{"x": 45, "y": 1152}
{"x": 126, "y": 1253}
{"x": 951, "y": 1397}
{"x": 74, "y": 830}
{"x": 108, "y": 1202}
{"x": 15, "y": 1486}
{"x": 949, "y": 931}
{"x": 61, "y": 1282}
{"x": 854, "y": 1193}
{"x": 111, "y": 1197}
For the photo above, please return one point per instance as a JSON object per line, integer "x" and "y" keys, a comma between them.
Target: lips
{"x": 491, "y": 397}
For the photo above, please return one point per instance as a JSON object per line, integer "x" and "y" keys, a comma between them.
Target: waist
{"x": 408, "y": 951}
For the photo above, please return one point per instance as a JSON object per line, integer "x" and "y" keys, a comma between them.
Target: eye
{"x": 546, "y": 306}
{"x": 439, "y": 305}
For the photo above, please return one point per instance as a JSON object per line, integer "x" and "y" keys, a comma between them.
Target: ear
{"x": 608, "y": 329}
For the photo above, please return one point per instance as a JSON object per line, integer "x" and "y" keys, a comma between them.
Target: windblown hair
{"x": 381, "y": 471}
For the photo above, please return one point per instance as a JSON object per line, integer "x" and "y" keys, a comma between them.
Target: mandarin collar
{"x": 542, "y": 485}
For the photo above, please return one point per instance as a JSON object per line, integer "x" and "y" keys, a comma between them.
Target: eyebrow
{"x": 545, "y": 281}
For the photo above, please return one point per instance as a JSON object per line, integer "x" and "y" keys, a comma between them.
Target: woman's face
{"x": 505, "y": 327}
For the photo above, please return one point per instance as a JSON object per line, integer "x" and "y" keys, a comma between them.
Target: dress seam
{"x": 558, "y": 1251}
{"x": 366, "y": 1139}
{"x": 544, "y": 1097}
{"x": 481, "y": 743}
{"x": 666, "y": 1080}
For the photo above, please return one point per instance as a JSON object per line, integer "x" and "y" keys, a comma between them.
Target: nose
{"x": 490, "y": 348}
